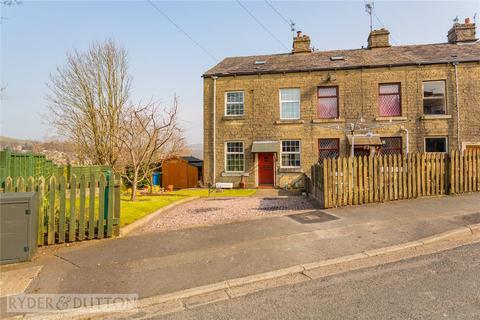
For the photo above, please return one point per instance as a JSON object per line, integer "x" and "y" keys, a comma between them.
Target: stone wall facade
{"x": 358, "y": 93}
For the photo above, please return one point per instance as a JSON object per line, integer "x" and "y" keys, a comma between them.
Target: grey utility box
{"x": 18, "y": 226}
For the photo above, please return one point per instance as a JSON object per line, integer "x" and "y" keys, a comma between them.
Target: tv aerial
{"x": 369, "y": 5}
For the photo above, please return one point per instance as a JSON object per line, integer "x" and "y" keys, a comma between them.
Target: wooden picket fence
{"x": 357, "y": 180}
{"x": 93, "y": 203}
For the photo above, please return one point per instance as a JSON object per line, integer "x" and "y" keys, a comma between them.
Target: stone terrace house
{"x": 269, "y": 118}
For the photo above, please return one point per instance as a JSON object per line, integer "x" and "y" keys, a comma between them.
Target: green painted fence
{"x": 18, "y": 164}
{"x": 75, "y": 209}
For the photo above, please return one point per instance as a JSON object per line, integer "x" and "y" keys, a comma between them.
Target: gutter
{"x": 214, "y": 128}
{"x": 402, "y": 128}
{"x": 455, "y": 65}
{"x": 336, "y": 68}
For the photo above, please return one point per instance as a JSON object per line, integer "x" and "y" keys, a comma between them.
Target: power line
{"x": 278, "y": 12}
{"x": 262, "y": 25}
{"x": 182, "y": 31}
{"x": 369, "y": 8}
{"x": 383, "y": 26}
{"x": 290, "y": 23}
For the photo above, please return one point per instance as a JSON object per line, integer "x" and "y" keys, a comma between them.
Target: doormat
{"x": 312, "y": 217}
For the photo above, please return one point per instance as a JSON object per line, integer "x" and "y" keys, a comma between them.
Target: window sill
{"x": 289, "y": 121}
{"x": 235, "y": 174}
{"x": 290, "y": 170}
{"x": 332, "y": 120}
{"x": 230, "y": 118}
{"x": 435, "y": 116}
{"x": 397, "y": 118}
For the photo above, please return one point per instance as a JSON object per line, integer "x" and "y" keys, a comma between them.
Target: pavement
{"x": 444, "y": 285}
{"x": 157, "y": 263}
{"x": 17, "y": 280}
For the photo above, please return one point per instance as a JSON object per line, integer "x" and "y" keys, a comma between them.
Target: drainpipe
{"x": 352, "y": 145}
{"x": 406, "y": 137}
{"x": 455, "y": 64}
{"x": 214, "y": 128}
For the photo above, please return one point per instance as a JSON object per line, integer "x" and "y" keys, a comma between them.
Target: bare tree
{"x": 149, "y": 135}
{"x": 88, "y": 97}
{"x": 3, "y": 88}
{"x": 10, "y": 2}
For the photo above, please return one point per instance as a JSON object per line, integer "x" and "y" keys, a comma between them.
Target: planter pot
{"x": 170, "y": 187}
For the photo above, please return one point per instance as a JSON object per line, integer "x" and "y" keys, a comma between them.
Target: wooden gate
{"x": 73, "y": 210}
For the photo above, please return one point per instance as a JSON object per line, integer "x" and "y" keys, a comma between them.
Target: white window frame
{"x": 429, "y": 137}
{"x": 299, "y": 152}
{"x": 227, "y": 153}
{"x": 242, "y": 103}
{"x": 299, "y": 103}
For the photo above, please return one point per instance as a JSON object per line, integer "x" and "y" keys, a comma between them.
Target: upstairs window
{"x": 434, "y": 97}
{"x": 327, "y": 102}
{"x": 328, "y": 148}
{"x": 290, "y": 154}
{"x": 391, "y": 145}
{"x": 289, "y": 104}
{"x": 436, "y": 144}
{"x": 234, "y": 103}
{"x": 389, "y": 100}
{"x": 234, "y": 157}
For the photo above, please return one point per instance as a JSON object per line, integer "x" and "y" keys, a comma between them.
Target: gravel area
{"x": 210, "y": 211}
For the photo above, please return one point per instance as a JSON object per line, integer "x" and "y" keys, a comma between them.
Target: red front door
{"x": 265, "y": 169}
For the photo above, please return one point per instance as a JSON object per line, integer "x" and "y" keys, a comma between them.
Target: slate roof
{"x": 354, "y": 58}
{"x": 194, "y": 161}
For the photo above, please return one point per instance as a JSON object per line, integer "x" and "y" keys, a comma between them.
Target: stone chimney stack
{"x": 462, "y": 32}
{"x": 379, "y": 39}
{"x": 301, "y": 43}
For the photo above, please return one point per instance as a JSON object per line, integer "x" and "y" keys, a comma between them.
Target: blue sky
{"x": 35, "y": 37}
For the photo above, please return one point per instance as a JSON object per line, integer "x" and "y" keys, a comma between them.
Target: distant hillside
{"x": 16, "y": 144}
{"x": 63, "y": 152}
{"x": 60, "y": 152}
{"x": 4, "y": 139}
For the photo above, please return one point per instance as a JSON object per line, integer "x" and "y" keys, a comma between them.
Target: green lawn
{"x": 145, "y": 205}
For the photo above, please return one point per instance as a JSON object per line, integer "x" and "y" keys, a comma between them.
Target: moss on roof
{"x": 353, "y": 58}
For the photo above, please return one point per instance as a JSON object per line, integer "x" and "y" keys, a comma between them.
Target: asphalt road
{"x": 444, "y": 285}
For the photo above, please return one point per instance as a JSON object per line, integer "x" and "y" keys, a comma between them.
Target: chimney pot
{"x": 299, "y": 33}
{"x": 467, "y": 20}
